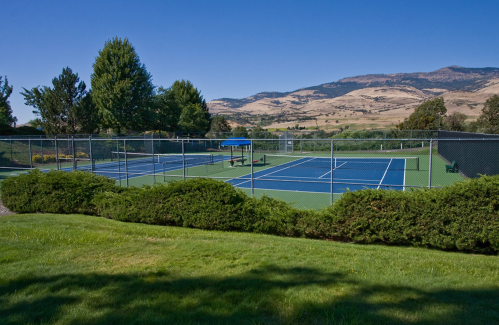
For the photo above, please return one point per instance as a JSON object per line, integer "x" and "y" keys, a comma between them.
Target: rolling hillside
{"x": 370, "y": 101}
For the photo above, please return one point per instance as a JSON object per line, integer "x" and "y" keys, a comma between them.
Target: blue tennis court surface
{"x": 281, "y": 173}
{"x": 137, "y": 167}
{"x": 313, "y": 174}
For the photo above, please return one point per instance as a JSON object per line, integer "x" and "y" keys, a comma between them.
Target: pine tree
{"x": 122, "y": 87}
{"x": 6, "y": 117}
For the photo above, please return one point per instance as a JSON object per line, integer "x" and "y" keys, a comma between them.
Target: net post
{"x": 332, "y": 168}
{"x": 56, "y": 154}
{"x": 431, "y": 153}
{"x": 252, "y": 187}
{"x": 183, "y": 160}
{"x": 91, "y": 156}
{"x": 119, "y": 163}
{"x": 73, "y": 154}
{"x": 126, "y": 162}
{"x": 153, "y": 162}
{"x": 30, "y": 154}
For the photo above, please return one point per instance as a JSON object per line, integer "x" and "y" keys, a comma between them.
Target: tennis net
{"x": 140, "y": 158}
{"x": 370, "y": 163}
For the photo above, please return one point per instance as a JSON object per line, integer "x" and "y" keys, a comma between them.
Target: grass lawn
{"x": 78, "y": 269}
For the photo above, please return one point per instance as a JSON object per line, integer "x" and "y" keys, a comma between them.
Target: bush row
{"x": 463, "y": 216}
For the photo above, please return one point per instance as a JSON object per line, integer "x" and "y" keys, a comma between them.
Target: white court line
{"x": 386, "y": 171}
{"x": 333, "y": 169}
{"x": 342, "y": 179}
{"x": 275, "y": 171}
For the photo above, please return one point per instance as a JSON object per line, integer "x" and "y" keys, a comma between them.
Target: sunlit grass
{"x": 80, "y": 270}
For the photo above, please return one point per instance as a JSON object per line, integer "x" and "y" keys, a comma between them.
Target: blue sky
{"x": 238, "y": 48}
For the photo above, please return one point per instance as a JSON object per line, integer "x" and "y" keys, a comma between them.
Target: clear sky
{"x": 238, "y": 48}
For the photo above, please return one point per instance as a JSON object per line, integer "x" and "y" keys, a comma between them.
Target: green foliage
{"x": 167, "y": 111}
{"x": 463, "y": 216}
{"x": 193, "y": 118}
{"x": 488, "y": 122}
{"x": 427, "y": 116}
{"x": 240, "y": 131}
{"x": 122, "y": 88}
{"x": 455, "y": 122}
{"x": 54, "y": 191}
{"x": 66, "y": 108}
{"x": 6, "y": 117}
{"x": 219, "y": 124}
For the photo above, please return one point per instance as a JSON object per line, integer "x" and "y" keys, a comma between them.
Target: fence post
{"x": 252, "y": 187}
{"x": 56, "y": 154}
{"x": 30, "y": 154}
{"x": 11, "y": 155}
{"x": 126, "y": 163}
{"x": 332, "y": 168}
{"x": 153, "y": 162}
{"x": 183, "y": 160}
{"x": 119, "y": 162}
{"x": 73, "y": 154}
{"x": 41, "y": 145}
{"x": 91, "y": 156}
{"x": 431, "y": 153}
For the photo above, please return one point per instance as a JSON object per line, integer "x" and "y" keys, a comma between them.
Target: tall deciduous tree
{"x": 193, "y": 118}
{"x": 122, "y": 88}
{"x": 427, "y": 116}
{"x": 64, "y": 108}
{"x": 167, "y": 111}
{"x": 455, "y": 122}
{"x": 181, "y": 107}
{"x": 488, "y": 122}
{"x": 6, "y": 117}
{"x": 219, "y": 124}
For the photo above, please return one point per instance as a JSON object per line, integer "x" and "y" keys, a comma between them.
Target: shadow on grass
{"x": 261, "y": 296}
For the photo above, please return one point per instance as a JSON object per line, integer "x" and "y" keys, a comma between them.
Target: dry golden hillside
{"x": 372, "y": 101}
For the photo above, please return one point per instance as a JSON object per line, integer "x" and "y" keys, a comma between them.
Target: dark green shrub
{"x": 463, "y": 216}
{"x": 208, "y": 204}
{"x": 199, "y": 203}
{"x": 54, "y": 191}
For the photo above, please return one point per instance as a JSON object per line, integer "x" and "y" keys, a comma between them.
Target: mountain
{"x": 382, "y": 99}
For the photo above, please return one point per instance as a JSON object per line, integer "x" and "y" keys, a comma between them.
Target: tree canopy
{"x": 219, "y": 125}
{"x": 181, "y": 107}
{"x": 427, "y": 116}
{"x": 455, "y": 122}
{"x": 122, "y": 88}
{"x": 488, "y": 122}
{"x": 6, "y": 117}
{"x": 64, "y": 108}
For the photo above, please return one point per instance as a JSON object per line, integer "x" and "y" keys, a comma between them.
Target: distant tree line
{"x": 431, "y": 115}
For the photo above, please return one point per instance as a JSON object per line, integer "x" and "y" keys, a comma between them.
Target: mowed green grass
{"x": 74, "y": 269}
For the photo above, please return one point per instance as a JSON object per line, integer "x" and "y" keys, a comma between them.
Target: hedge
{"x": 463, "y": 216}
{"x": 54, "y": 192}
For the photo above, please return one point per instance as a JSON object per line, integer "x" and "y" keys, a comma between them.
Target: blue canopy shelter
{"x": 236, "y": 142}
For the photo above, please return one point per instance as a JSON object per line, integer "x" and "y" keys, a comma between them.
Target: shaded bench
{"x": 452, "y": 168}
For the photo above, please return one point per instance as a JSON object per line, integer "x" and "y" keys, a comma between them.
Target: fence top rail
{"x": 255, "y": 139}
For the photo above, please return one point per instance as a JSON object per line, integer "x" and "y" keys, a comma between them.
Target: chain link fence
{"x": 305, "y": 171}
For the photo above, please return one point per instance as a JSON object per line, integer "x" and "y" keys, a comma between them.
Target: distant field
{"x": 75, "y": 269}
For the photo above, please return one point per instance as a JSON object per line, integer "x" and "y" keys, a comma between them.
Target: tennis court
{"x": 272, "y": 172}
{"x": 142, "y": 164}
{"x": 313, "y": 174}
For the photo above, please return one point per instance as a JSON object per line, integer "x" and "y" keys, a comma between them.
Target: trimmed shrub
{"x": 198, "y": 203}
{"x": 54, "y": 191}
{"x": 463, "y": 216}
